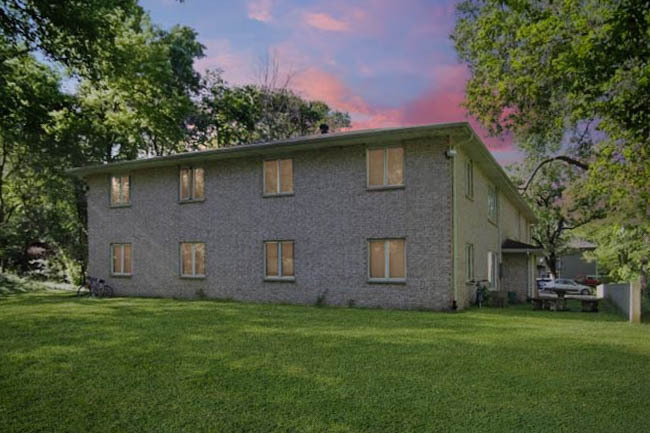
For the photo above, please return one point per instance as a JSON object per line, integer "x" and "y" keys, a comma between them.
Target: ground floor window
{"x": 469, "y": 262}
{"x": 121, "y": 259}
{"x": 193, "y": 259}
{"x": 387, "y": 259}
{"x": 493, "y": 269}
{"x": 278, "y": 260}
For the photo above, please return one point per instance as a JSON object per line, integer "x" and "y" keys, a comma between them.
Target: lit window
{"x": 385, "y": 167}
{"x": 278, "y": 260}
{"x": 278, "y": 177}
{"x": 192, "y": 184}
{"x": 192, "y": 259}
{"x": 469, "y": 262}
{"x": 493, "y": 269}
{"x": 120, "y": 190}
{"x": 492, "y": 203}
{"x": 121, "y": 259}
{"x": 469, "y": 179}
{"x": 387, "y": 260}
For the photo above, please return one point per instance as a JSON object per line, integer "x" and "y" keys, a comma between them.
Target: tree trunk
{"x": 551, "y": 262}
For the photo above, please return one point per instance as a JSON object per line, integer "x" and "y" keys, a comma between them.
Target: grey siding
{"x": 330, "y": 217}
{"x": 474, "y": 227}
{"x": 515, "y": 274}
{"x": 573, "y": 266}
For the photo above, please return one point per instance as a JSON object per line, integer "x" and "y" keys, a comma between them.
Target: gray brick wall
{"x": 330, "y": 217}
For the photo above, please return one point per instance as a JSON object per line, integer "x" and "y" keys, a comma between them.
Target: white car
{"x": 569, "y": 286}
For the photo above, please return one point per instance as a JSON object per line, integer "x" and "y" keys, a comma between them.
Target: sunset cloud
{"x": 318, "y": 84}
{"x": 387, "y": 63}
{"x": 260, "y": 10}
{"x": 441, "y": 103}
{"x": 325, "y": 22}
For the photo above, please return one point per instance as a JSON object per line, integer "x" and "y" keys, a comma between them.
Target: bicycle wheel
{"x": 108, "y": 291}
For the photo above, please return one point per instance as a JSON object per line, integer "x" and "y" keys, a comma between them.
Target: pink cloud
{"x": 318, "y": 84}
{"x": 260, "y": 10}
{"x": 441, "y": 103}
{"x": 323, "y": 21}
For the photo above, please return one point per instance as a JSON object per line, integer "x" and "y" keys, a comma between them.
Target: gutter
{"x": 523, "y": 250}
{"x": 320, "y": 141}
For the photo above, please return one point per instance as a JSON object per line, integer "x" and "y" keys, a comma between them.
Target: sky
{"x": 386, "y": 62}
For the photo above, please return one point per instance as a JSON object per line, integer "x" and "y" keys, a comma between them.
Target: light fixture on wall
{"x": 450, "y": 153}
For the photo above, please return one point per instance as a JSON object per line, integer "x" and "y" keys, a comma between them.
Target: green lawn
{"x": 71, "y": 364}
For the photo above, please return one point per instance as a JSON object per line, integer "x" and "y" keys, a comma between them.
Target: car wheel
{"x": 584, "y": 292}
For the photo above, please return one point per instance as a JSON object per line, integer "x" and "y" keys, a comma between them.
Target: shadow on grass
{"x": 141, "y": 364}
{"x": 607, "y": 312}
{"x": 12, "y": 284}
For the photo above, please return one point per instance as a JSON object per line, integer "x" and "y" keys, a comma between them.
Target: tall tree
{"x": 133, "y": 97}
{"x": 73, "y": 33}
{"x": 232, "y": 115}
{"x": 29, "y": 95}
{"x": 144, "y": 108}
{"x": 572, "y": 79}
{"x": 554, "y": 193}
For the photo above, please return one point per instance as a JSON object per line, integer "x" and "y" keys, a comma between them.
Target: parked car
{"x": 544, "y": 283}
{"x": 589, "y": 280}
{"x": 570, "y": 286}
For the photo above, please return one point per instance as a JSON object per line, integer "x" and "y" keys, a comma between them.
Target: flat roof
{"x": 462, "y": 131}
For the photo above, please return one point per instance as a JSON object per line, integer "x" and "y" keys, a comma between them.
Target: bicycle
{"x": 96, "y": 287}
{"x": 481, "y": 292}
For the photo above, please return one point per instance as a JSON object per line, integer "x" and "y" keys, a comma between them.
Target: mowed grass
{"x": 71, "y": 364}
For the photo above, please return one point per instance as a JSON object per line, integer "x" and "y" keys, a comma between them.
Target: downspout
{"x": 499, "y": 240}
{"x": 451, "y": 152}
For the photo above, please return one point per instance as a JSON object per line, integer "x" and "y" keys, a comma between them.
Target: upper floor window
{"x": 121, "y": 259}
{"x": 120, "y": 190}
{"x": 492, "y": 203}
{"x": 387, "y": 260}
{"x": 193, "y": 259}
{"x": 192, "y": 184}
{"x": 469, "y": 179}
{"x": 278, "y": 177}
{"x": 385, "y": 167}
{"x": 278, "y": 260}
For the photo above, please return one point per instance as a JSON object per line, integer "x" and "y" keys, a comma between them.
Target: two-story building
{"x": 395, "y": 218}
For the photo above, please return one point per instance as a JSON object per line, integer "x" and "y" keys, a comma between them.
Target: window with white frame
{"x": 278, "y": 177}
{"x": 278, "y": 260}
{"x": 469, "y": 179}
{"x": 385, "y": 167}
{"x": 493, "y": 269}
{"x": 192, "y": 184}
{"x": 469, "y": 262}
{"x": 387, "y": 259}
{"x": 492, "y": 203}
{"x": 121, "y": 259}
{"x": 120, "y": 190}
{"x": 193, "y": 259}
